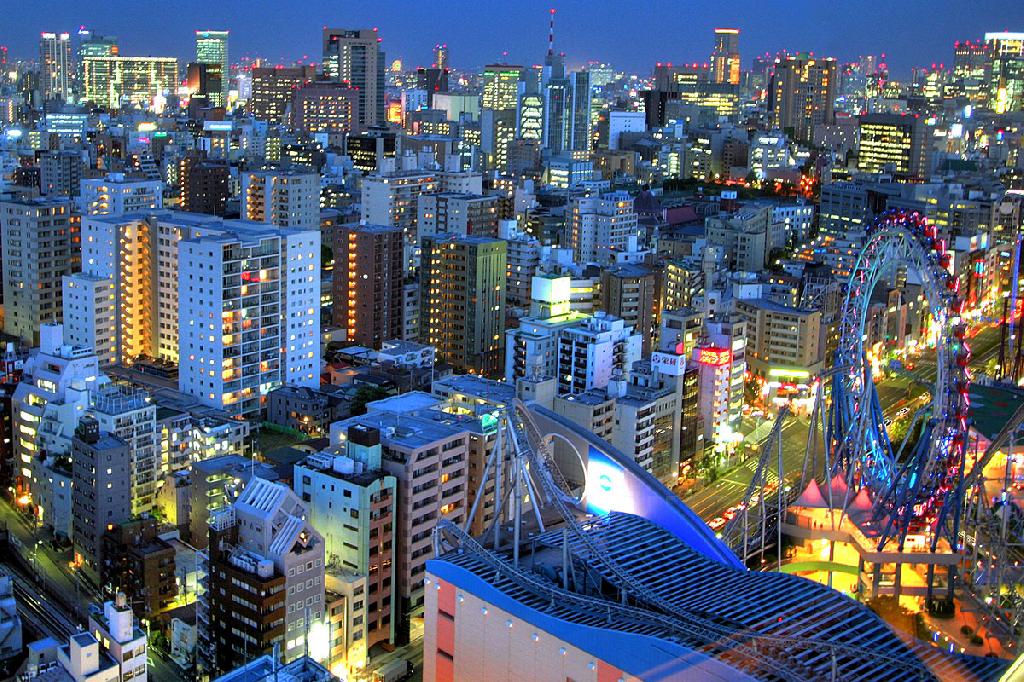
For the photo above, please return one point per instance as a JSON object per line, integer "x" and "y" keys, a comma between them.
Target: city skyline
{"x": 409, "y": 32}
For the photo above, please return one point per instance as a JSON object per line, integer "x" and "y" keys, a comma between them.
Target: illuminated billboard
{"x": 715, "y": 357}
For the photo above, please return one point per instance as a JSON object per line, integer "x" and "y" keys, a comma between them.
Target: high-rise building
{"x": 367, "y": 284}
{"x": 429, "y": 461}
{"x": 599, "y": 226}
{"x": 117, "y": 194}
{"x": 101, "y": 467}
{"x": 630, "y": 292}
{"x": 462, "y": 301}
{"x": 139, "y": 81}
{"x": 60, "y": 173}
{"x": 261, "y": 287}
{"x": 57, "y": 66}
{"x": 203, "y": 185}
{"x": 41, "y": 240}
{"x": 326, "y": 107}
{"x": 725, "y": 59}
{"x": 581, "y": 121}
{"x": 972, "y": 69}
{"x": 459, "y": 214}
{"x": 354, "y": 56}
{"x": 593, "y": 350}
{"x": 272, "y": 90}
{"x": 393, "y": 199}
{"x": 205, "y": 81}
{"x": 1006, "y": 89}
{"x": 138, "y": 562}
{"x": 802, "y": 94}
{"x": 353, "y": 502}
{"x": 212, "y": 48}
{"x": 130, "y": 415}
{"x": 282, "y": 197}
{"x": 431, "y": 80}
{"x": 441, "y": 56}
{"x": 498, "y": 105}
{"x": 894, "y": 143}
{"x": 265, "y": 579}
{"x": 47, "y": 403}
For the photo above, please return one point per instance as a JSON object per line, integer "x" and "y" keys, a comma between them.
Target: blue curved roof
{"x": 649, "y": 498}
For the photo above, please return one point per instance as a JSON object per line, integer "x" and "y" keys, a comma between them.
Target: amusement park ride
{"x": 930, "y": 486}
{"x": 921, "y": 500}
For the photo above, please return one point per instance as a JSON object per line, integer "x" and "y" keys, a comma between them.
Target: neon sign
{"x": 716, "y": 357}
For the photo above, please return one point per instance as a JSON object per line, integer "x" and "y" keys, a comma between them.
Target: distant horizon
{"x": 917, "y": 35}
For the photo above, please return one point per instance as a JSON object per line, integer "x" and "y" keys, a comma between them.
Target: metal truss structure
{"x": 917, "y": 487}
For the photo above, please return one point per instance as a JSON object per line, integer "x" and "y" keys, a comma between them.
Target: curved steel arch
{"x": 917, "y": 489}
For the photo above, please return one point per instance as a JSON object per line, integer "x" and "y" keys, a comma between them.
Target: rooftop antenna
{"x": 551, "y": 33}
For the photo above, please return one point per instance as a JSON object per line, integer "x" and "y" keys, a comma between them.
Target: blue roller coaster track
{"x": 914, "y": 485}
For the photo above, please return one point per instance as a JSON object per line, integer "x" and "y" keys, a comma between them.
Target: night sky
{"x": 630, "y": 34}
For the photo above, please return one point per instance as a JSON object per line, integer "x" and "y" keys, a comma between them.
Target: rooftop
{"x": 495, "y": 392}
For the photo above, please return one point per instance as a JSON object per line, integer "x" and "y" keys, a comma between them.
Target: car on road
{"x": 716, "y": 523}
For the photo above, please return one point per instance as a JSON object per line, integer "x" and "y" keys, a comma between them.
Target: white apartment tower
{"x": 118, "y": 194}
{"x": 598, "y": 227}
{"x": 248, "y": 314}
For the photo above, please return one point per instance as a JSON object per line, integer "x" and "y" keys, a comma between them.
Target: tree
{"x": 367, "y": 394}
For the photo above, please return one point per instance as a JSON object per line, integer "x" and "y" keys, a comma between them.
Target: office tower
{"x": 368, "y": 283}
{"x": 580, "y": 123}
{"x": 431, "y": 80}
{"x": 355, "y": 57}
{"x": 558, "y": 98}
{"x": 260, "y": 286}
{"x": 101, "y": 467}
{"x": 1006, "y": 89}
{"x": 972, "y": 69}
{"x": 531, "y": 117}
{"x": 41, "y": 244}
{"x": 393, "y": 199}
{"x": 326, "y": 107}
{"x": 498, "y": 112}
{"x": 630, "y": 293}
{"x": 204, "y": 81}
{"x": 593, "y": 350}
{"x": 53, "y": 391}
{"x": 138, "y": 81}
{"x": 462, "y": 301}
{"x": 441, "y": 56}
{"x": 725, "y": 59}
{"x": 598, "y": 226}
{"x": 458, "y": 214}
{"x": 272, "y": 89}
{"x": 60, "y": 173}
{"x": 429, "y": 460}
{"x": 204, "y": 185}
{"x": 57, "y": 66}
{"x": 353, "y": 502}
{"x": 95, "y": 45}
{"x": 130, "y": 415}
{"x": 121, "y": 639}
{"x": 285, "y": 198}
{"x": 264, "y": 547}
{"x": 118, "y": 193}
{"x": 894, "y": 143}
{"x": 802, "y": 94}
{"x": 212, "y": 48}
